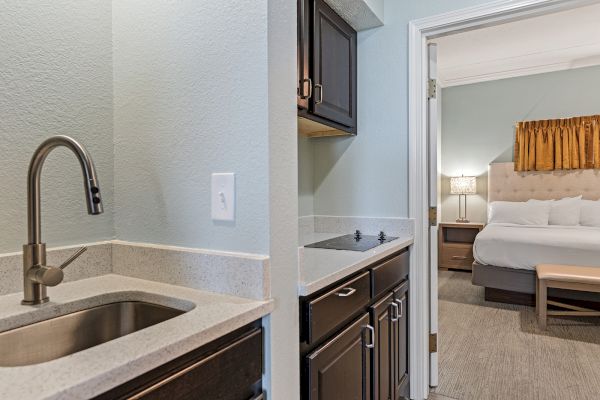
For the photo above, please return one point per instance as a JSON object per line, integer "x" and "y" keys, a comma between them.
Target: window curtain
{"x": 556, "y": 144}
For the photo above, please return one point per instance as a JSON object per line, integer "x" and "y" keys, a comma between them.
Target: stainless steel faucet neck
{"x": 90, "y": 182}
{"x": 36, "y": 275}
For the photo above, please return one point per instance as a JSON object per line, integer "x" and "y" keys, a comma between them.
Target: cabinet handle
{"x": 318, "y": 85}
{"x": 310, "y": 88}
{"x": 259, "y": 397}
{"x": 395, "y": 315}
{"x": 399, "y": 303}
{"x": 348, "y": 292}
{"x": 459, "y": 257}
{"x": 372, "y": 335}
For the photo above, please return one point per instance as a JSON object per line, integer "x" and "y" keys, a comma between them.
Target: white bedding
{"x": 525, "y": 246}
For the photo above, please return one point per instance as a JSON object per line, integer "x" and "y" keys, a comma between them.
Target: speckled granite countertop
{"x": 93, "y": 371}
{"x": 320, "y": 268}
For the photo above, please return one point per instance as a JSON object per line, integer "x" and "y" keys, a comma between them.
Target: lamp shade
{"x": 463, "y": 185}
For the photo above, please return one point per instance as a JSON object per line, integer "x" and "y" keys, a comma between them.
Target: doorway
{"x": 423, "y": 168}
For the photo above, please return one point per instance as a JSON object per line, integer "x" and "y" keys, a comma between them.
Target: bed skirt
{"x": 517, "y": 286}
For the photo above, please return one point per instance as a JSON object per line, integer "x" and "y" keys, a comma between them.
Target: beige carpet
{"x": 496, "y": 351}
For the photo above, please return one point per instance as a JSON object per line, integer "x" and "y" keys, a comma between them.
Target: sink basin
{"x": 67, "y": 334}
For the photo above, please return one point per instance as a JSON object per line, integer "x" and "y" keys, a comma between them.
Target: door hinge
{"x": 433, "y": 342}
{"x": 432, "y": 216}
{"x": 432, "y": 88}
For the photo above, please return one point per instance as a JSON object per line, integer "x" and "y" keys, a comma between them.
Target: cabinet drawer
{"x": 227, "y": 374}
{"x": 336, "y": 306}
{"x": 457, "y": 257}
{"x": 232, "y": 370}
{"x": 390, "y": 273}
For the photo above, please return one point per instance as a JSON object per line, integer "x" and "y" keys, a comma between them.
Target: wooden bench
{"x": 585, "y": 279}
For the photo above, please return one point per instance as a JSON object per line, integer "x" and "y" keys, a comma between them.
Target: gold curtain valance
{"x": 548, "y": 145}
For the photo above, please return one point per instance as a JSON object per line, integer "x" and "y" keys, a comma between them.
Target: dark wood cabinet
{"x": 360, "y": 351}
{"x": 338, "y": 369}
{"x": 387, "y": 274}
{"x": 327, "y": 67}
{"x": 383, "y": 320}
{"x": 334, "y": 67}
{"x": 400, "y": 339}
{"x": 304, "y": 82}
{"x": 229, "y": 368}
{"x": 329, "y": 310}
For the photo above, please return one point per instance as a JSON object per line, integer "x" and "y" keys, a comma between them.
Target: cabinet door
{"x": 383, "y": 316}
{"x": 401, "y": 380}
{"x": 340, "y": 368}
{"x": 334, "y": 66}
{"x": 303, "y": 78}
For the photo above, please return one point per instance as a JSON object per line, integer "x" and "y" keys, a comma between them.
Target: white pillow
{"x": 519, "y": 212}
{"x": 564, "y": 211}
{"x": 590, "y": 213}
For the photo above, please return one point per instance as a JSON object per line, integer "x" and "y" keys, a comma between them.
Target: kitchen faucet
{"x": 36, "y": 274}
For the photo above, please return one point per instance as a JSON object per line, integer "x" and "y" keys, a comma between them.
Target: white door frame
{"x": 420, "y": 31}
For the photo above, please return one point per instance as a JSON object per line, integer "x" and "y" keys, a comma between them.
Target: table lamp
{"x": 462, "y": 186}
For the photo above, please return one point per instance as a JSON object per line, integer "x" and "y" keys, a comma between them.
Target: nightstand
{"x": 455, "y": 244}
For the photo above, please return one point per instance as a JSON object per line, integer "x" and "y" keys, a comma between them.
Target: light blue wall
{"x": 55, "y": 78}
{"x": 478, "y": 123}
{"x": 306, "y": 178}
{"x": 191, "y": 80}
{"x": 368, "y": 174}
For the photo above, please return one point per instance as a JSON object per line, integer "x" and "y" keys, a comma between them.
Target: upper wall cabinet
{"x": 326, "y": 69}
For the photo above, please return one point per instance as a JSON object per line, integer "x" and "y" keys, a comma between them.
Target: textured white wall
{"x": 378, "y": 7}
{"x": 360, "y": 14}
{"x": 306, "y": 177}
{"x": 478, "y": 124}
{"x": 55, "y": 78}
{"x": 190, "y": 95}
{"x": 203, "y": 86}
{"x": 282, "y": 345}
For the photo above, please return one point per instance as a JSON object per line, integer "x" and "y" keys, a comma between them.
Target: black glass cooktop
{"x": 352, "y": 242}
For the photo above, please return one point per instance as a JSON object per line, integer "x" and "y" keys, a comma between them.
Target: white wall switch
{"x": 223, "y": 196}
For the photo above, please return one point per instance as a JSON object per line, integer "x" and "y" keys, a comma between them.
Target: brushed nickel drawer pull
{"x": 320, "y": 87}
{"x": 259, "y": 397}
{"x": 372, "y": 342}
{"x": 395, "y": 314}
{"x": 346, "y": 292}
{"x": 310, "y": 88}
{"x": 399, "y": 302}
{"x": 459, "y": 257}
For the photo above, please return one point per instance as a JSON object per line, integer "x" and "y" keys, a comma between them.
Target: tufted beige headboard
{"x": 506, "y": 184}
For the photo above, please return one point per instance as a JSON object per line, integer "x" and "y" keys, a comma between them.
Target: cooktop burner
{"x": 356, "y": 242}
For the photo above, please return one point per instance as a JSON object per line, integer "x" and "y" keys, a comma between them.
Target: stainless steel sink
{"x": 67, "y": 334}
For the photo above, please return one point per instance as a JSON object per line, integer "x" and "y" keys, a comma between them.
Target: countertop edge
{"x": 91, "y": 372}
{"x": 102, "y": 383}
{"x": 306, "y": 289}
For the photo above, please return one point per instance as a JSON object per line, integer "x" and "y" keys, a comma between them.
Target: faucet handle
{"x": 52, "y": 276}
{"x": 48, "y": 276}
{"x": 75, "y": 255}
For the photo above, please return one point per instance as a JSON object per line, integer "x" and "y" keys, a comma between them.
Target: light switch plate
{"x": 223, "y": 196}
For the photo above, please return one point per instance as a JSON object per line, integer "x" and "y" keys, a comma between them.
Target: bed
{"x": 506, "y": 254}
